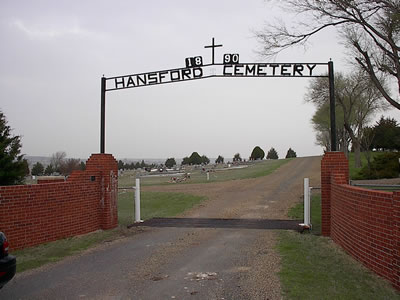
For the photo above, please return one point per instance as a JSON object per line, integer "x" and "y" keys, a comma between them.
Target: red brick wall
{"x": 35, "y": 214}
{"x": 49, "y": 179}
{"x": 396, "y": 240}
{"x": 364, "y": 222}
{"x": 332, "y": 163}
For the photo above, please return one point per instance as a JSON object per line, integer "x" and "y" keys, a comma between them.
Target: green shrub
{"x": 385, "y": 165}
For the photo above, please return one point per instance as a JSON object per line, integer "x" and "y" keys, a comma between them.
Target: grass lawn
{"x": 154, "y": 204}
{"x": 313, "y": 267}
{"x": 37, "y": 256}
{"x": 353, "y": 171}
{"x": 254, "y": 169}
{"x": 297, "y": 212}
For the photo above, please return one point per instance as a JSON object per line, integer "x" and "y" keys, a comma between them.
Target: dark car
{"x": 8, "y": 263}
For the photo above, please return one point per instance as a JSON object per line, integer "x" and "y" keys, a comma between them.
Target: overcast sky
{"x": 53, "y": 54}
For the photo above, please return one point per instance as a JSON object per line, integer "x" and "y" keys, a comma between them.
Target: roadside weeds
{"x": 314, "y": 267}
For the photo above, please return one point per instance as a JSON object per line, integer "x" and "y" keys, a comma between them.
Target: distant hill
{"x": 159, "y": 161}
{"x": 45, "y": 160}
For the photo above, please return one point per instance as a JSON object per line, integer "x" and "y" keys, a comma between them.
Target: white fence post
{"x": 307, "y": 202}
{"x": 137, "y": 201}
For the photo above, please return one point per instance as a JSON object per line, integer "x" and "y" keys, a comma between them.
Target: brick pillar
{"x": 107, "y": 165}
{"x": 331, "y": 163}
{"x": 396, "y": 241}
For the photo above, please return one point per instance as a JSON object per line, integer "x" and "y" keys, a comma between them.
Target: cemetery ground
{"x": 205, "y": 263}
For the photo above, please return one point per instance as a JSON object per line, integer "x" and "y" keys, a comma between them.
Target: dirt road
{"x": 215, "y": 262}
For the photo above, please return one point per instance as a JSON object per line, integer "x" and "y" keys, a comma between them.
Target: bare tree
{"x": 369, "y": 28}
{"x": 366, "y": 142}
{"x": 69, "y": 165}
{"x": 322, "y": 125}
{"x": 57, "y": 160}
{"x": 358, "y": 100}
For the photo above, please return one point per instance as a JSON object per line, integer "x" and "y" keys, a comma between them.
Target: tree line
{"x": 59, "y": 165}
{"x": 258, "y": 154}
{"x": 135, "y": 165}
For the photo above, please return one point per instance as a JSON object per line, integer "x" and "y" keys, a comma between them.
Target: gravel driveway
{"x": 185, "y": 262}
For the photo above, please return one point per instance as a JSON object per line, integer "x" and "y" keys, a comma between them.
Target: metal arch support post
{"x": 103, "y": 116}
{"x": 332, "y": 105}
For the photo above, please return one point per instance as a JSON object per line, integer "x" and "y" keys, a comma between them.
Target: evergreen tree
{"x": 170, "y": 162}
{"x": 257, "y": 153}
{"x": 12, "y": 167}
{"x": 37, "y": 169}
{"x": 26, "y": 167}
{"x": 290, "y": 153}
{"x": 195, "y": 159}
{"x": 49, "y": 170}
{"x": 237, "y": 157}
{"x": 219, "y": 160}
{"x": 142, "y": 164}
{"x": 186, "y": 161}
{"x": 386, "y": 135}
{"x": 205, "y": 160}
{"x": 272, "y": 154}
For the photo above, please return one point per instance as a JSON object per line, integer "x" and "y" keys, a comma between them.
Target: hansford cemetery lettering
{"x": 158, "y": 77}
{"x": 273, "y": 69}
{"x": 218, "y": 70}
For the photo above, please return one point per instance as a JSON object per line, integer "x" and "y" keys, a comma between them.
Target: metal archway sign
{"x": 230, "y": 67}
